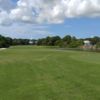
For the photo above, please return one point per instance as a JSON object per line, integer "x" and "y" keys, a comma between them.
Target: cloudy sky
{"x": 41, "y": 18}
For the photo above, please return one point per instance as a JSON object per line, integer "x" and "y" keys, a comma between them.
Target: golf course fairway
{"x": 43, "y": 73}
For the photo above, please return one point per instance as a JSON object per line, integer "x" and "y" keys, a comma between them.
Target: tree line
{"x": 6, "y": 42}
{"x": 67, "y": 41}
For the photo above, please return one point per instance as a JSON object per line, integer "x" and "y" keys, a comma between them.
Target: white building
{"x": 87, "y": 45}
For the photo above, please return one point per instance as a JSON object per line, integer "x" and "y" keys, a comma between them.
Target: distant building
{"x": 30, "y": 42}
{"x": 33, "y": 42}
{"x": 87, "y": 45}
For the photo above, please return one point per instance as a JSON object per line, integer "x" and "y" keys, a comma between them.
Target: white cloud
{"x": 4, "y": 18}
{"x": 47, "y": 11}
{"x": 25, "y": 31}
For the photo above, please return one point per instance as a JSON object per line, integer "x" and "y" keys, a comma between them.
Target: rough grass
{"x": 40, "y": 73}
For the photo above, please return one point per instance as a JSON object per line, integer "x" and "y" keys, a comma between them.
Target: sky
{"x": 41, "y": 18}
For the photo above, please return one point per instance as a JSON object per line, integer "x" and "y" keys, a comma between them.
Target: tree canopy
{"x": 65, "y": 42}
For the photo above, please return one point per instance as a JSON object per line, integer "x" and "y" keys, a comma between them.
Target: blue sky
{"x": 19, "y": 20}
{"x": 79, "y": 27}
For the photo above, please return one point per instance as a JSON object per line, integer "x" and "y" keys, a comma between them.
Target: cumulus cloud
{"x": 25, "y": 31}
{"x": 47, "y": 11}
{"x": 4, "y": 18}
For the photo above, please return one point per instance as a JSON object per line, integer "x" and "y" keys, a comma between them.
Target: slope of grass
{"x": 39, "y": 73}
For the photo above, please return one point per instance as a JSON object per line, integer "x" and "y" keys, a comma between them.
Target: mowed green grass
{"x": 41, "y": 73}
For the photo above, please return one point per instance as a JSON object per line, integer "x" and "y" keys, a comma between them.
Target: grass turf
{"x": 40, "y": 73}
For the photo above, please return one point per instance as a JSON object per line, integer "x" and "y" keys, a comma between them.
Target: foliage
{"x": 65, "y": 42}
{"x": 49, "y": 41}
{"x": 4, "y": 42}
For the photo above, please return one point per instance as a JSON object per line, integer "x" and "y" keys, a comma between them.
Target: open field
{"x": 40, "y": 73}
